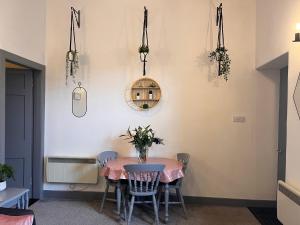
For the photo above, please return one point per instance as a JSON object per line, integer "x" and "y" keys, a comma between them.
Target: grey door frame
{"x": 282, "y": 124}
{"x": 38, "y": 117}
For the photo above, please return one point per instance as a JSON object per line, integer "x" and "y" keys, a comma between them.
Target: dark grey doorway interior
{"x": 283, "y": 97}
{"x": 19, "y": 126}
{"x": 36, "y": 155}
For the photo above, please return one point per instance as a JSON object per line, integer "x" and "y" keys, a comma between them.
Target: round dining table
{"x": 114, "y": 170}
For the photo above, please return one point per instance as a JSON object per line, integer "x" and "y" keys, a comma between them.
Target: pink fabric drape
{"x": 114, "y": 169}
{"x": 16, "y": 220}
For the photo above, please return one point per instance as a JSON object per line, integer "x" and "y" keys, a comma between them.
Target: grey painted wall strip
{"x": 92, "y": 196}
{"x": 2, "y": 108}
{"x": 291, "y": 195}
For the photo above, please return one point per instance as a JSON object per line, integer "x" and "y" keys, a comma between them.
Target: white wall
{"x": 22, "y": 28}
{"x": 276, "y": 25}
{"x": 195, "y": 115}
{"x": 275, "y": 33}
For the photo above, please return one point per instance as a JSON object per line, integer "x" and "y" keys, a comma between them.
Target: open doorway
{"x": 282, "y": 123}
{"x": 22, "y": 103}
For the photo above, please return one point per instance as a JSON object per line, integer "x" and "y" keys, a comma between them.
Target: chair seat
{"x": 171, "y": 185}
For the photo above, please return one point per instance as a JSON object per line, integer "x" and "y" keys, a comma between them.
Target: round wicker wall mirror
{"x": 145, "y": 93}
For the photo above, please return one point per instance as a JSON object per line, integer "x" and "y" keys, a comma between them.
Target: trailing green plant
{"x": 221, "y": 57}
{"x": 145, "y": 106}
{"x": 6, "y": 172}
{"x": 144, "y": 49}
{"x": 142, "y": 137}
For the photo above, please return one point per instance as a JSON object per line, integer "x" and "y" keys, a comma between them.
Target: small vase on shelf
{"x": 150, "y": 95}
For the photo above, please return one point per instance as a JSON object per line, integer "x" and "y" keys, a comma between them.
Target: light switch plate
{"x": 239, "y": 119}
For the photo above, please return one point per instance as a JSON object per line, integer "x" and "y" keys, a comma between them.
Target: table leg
{"x": 26, "y": 200}
{"x": 119, "y": 199}
{"x": 166, "y": 203}
{"x": 23, "y": 202}
{"x": 18, "y": 203}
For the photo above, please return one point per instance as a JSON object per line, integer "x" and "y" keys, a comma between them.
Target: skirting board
{"x": 90, "y": 196}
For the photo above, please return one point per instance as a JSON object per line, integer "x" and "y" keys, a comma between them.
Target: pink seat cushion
{"x": 16, "y": 220}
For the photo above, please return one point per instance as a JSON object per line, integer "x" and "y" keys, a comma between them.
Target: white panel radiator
{"x": 72, "y": 170}
{"x": 288, "y": 204}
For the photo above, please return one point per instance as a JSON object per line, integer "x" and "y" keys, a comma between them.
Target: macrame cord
{"x": 144, "y": 49}
{"x": 72, "y": 58}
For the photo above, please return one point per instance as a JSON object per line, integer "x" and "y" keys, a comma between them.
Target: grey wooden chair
{"x": 143, "y": 180}
{"x": 176, "y": 185}
{"x": 103, "y": 158}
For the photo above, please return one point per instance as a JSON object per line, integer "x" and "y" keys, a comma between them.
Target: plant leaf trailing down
{"x": 142, "y": 137}
{"x": 220, "y": 55}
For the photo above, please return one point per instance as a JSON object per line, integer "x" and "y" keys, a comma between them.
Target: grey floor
{"x": 85, "y": 213}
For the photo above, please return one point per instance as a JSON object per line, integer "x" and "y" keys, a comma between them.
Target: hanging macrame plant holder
{"x": 144, "y": 48}
{"x": 72, "y": 56}
{"x": 220, "y": 55}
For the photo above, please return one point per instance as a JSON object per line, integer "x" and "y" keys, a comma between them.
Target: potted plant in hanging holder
{"x": 220, "y": 55}
{"x": 72, "y": 56}
{"x": 142, "y": 139}
{"x": 144, "y": 48}
{"x": 6, "y": 172}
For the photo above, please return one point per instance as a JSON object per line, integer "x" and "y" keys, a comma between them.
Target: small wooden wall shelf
{"x": 145, "y": 93}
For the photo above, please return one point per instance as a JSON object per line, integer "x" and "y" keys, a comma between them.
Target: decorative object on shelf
{"x": 296, "y": 96}
{"x": 297, "y": 35}
{"x": 145, "y": 106}
{"x": 142, "y": 139}
{"x": 220, "y": 55}
{"x": 72, "y": 56}
{"x": 150, "y": 95}
{"x": 79, "y": 101}
{"x": 145, "y": 94}
{"x": 144, "y": 48}
{"x": 6, "y": 172}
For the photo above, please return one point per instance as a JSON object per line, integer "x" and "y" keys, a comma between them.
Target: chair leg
{"x": 166, "y": 203}
{"x": 155, "y": 210}
{"x": 130, "y": 210}
{"x": 104, "y": 197}
{"x": 179, "y": 194}
{"x": 124, "y": 205}
{"x": 159, "y": 198}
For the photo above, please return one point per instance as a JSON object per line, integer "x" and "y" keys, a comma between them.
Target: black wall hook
{"x": 76, "y": 13}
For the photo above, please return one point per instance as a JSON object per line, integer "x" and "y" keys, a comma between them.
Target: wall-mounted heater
{"x": 72, "y": 170}
{"x": 288, "y": 204}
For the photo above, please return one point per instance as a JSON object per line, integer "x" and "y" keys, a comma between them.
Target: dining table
{"x": 173, "y": 170}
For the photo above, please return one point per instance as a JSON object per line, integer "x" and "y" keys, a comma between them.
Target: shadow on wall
{"x": 203, "y": 60}
{"x": 117, "y": 144}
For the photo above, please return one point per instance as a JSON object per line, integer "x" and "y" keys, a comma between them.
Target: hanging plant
{"x": 72, "y": 56}
{"x": 220, "y": 55}
{"x": 144, "y": 48}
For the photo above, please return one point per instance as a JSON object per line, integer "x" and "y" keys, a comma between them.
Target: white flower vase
{"x": 2, "y": 186}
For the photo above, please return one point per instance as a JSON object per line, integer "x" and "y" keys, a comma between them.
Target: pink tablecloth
{"x": 114, "y": 169}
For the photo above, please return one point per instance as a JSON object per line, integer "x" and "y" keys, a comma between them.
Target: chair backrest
{"x": 106, "y": 156}
{"x": 184, "y": 158}
{"x": 143, "y": 179}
